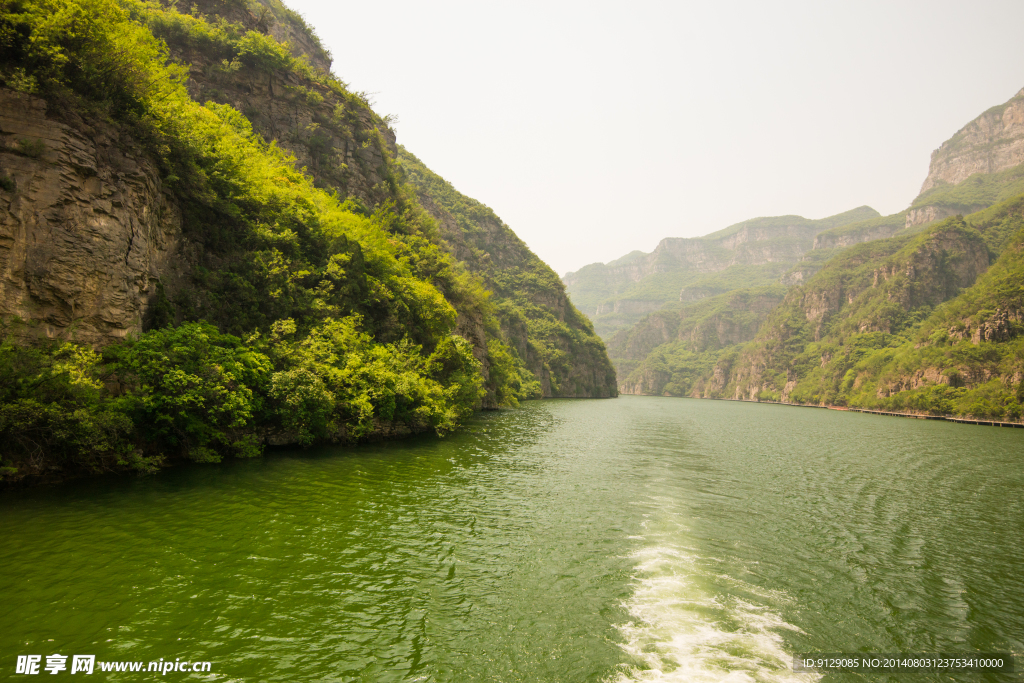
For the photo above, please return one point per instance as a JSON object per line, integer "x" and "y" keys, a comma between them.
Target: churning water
{"x": 636, "y": 539}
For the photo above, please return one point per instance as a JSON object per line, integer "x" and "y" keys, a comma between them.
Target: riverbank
{"x": 916, "y": 416}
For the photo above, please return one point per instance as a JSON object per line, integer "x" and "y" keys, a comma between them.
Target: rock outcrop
{"x": 991, "y": 143}
{"x": 975, "y": 168}
{"x": 86, "y": 231}
{"x": 871, "y": 289}
{"x": 864, "y": 231}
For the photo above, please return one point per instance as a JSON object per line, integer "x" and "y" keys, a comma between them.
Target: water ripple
{"x": 636, "y": 539}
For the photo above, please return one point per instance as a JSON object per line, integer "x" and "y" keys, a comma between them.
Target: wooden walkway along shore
{"x": 990, "y": 423}
{"x": 913, "y": 415}
{"x": 961, "y": 420}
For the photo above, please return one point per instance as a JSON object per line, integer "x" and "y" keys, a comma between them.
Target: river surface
{"x": 635, "y": 539}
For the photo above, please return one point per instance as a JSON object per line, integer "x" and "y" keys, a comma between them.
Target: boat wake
{"x": 685, "y": 627}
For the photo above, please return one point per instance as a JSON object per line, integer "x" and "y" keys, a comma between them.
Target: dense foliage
{"x": 887, "y": 325}
{"x": 978, "y": 191}
{"x": 307, "y": 317}
{"x": 558, "y": 345}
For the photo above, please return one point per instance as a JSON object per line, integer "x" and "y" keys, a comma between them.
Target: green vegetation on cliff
{"x": 303, "y": 316}
{"x": 966, "y": 357}
{"x": 669, "y": 351}
{"x": 974, "y": 193}
{"x": 915, "y": 323}
{"x": 921, "y": 311}
{"x": 556, "y": 342}
{"x": 753, "y": 253}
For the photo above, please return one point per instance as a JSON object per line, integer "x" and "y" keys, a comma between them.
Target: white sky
{"x": 596, "y": 128}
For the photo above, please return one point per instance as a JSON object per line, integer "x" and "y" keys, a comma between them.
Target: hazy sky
{"x": 596, "y": 128}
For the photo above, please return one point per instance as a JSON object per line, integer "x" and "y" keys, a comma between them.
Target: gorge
{"x": 918, "y": 312}
{"x": 208, "y": 244}
{"x": 278, "y": 400}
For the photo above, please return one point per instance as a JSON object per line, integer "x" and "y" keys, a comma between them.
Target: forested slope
{"x": 917, "y": 323}
{"x": 919, "y": 311}
{"x": 207, "y": 245}
{"x": 556, "y": 341}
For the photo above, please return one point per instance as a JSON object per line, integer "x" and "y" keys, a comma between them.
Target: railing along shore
{"x": 916, "y": 416}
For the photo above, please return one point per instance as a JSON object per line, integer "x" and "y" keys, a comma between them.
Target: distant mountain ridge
{"x": 921, "y": 311}
{"x": 754, "y": 252}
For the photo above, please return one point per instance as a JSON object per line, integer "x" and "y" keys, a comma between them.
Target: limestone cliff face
{"x": 990, "y": 143}
{"x": 344, "y": 149}
{"x": 929, "y": 214}
{"x": 865, "y": 231}
{"x": 268, "y": 17}
{"x": 866, "y": 290}
{"x": 90, "y": 241}
{"x": 619, "y": 293}
{"x": 86, "y": 231}
{"x": 975, "y": 168}
{"x": 709, "y": 325}
{"x": 751, "y": 243}
{"x": 339, "y": 140}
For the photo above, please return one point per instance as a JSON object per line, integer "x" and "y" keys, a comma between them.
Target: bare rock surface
{"x": 85, "y": 230}
{"x": 991, "y": 143}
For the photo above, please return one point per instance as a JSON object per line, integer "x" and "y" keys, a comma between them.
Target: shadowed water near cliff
{"x": 636, "y": 539}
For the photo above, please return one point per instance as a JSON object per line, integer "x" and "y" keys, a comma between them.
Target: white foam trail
{"x": 682, "y": 632}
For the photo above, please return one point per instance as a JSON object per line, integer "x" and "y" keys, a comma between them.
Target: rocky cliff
{"x": 862, "y": 298}
{"x": 978, "y": 167}
{"x": 90, "y": 227}
{"x": 209, "y": 196}
{"x": 556, "y": 342}
{"x": 87, "y": 229}
{"x": 756, "y": 252}
{"x": 333, "y": 133}
{"x": 90, "y": 230}
{"x": 991, "y": 143}
{"x": 862, "y": 231}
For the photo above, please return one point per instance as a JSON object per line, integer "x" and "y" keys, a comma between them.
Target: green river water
{"x": 617, "y": 540}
